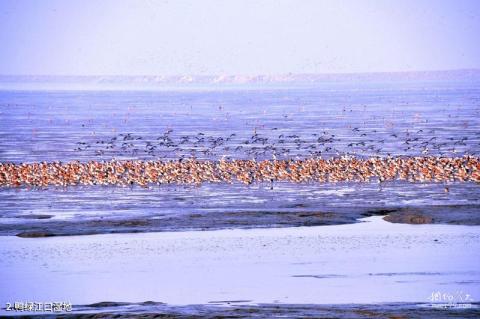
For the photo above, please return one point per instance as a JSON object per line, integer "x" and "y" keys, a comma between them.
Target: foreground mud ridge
{"x": 191, "y": 171}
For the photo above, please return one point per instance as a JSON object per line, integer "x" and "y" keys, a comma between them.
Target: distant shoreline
{"x": 116, "y": 82}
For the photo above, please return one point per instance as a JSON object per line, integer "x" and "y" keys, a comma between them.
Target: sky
{"x": 212, "y": 37}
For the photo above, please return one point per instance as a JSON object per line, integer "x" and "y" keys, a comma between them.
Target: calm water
{"x": 369, "y": 262}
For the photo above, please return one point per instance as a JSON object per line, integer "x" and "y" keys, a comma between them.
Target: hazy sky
{"x": 236, "y": 37}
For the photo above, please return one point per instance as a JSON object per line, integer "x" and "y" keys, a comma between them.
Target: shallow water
{"x": 369, "y": 262}
{"x": 97, "y": 209}
{"x": 379, "y": 119}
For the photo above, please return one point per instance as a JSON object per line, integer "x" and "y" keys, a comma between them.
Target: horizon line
{"x": 248, "y": 74}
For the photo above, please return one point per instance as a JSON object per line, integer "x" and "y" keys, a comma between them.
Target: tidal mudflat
{"x": 59, "y": 211}
{"x": 252, "y": 246}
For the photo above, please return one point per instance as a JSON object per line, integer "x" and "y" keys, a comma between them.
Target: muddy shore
{"x": 42, "y": 226}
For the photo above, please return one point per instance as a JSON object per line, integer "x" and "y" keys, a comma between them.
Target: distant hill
{"x": 153, "y": 82}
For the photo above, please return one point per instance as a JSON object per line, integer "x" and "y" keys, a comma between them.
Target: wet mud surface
{"x": 454, "y": 215}
{"x": 58, "y": 211}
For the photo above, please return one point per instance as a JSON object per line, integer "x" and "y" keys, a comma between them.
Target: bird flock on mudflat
{"x": 357, "y": 156}
{"x": 192, "y": 171}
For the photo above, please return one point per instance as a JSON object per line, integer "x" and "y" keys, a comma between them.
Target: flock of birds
{"x": 346, "y": 154}
{"x": 144, "y": 173}
{"x": 275, "y": 145}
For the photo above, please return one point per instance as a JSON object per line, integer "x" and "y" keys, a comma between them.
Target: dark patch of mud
{"x": 451, "y": 214}
{"x": 409, "y": 218}
{"x": 160, "y": 310}
{"x": 213, "y": 220}
{"x": 34, "y": 216}
{"x": 35, "y": 234}
{"x": 178, "y": 222}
